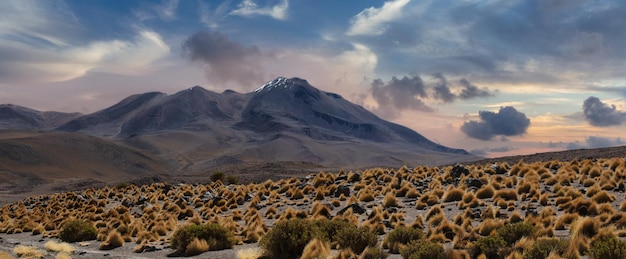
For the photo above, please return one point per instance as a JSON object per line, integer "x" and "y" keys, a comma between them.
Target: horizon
{"x": 496, "y": 78}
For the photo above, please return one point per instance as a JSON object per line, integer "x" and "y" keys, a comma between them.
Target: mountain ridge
{"x": 283, "y": 120}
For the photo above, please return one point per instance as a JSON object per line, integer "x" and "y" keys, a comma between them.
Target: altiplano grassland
{"x": 550, "y": 209}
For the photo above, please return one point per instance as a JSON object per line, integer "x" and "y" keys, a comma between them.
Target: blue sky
{"x": 493, "y": 77}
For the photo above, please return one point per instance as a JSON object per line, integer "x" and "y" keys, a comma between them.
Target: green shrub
{"x": 217, "y": 176}
{"x": 374, "y": 253}
{"x": 77, "y": 231}
{"x": 288, "y": 238}
{"x": 544, "y": 246}
{"x": 357, "y": 239}
{"x": 216, "y": 236}
{"x": 607, "y": 246}
{"x": 401, "y": 235}
{"x": 490, "y": 246}
{"x": 513, "y": 232}
{"x": 423, "y": 249}
{"x": 331, "y": 227}
{"x": 231, "y": 179}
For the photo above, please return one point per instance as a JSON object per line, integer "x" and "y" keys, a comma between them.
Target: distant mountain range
{"x": 285, "y": 120}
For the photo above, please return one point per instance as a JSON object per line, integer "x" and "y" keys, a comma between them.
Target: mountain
{"x": 285, "y": 121}
{"x": 18, "y": 117}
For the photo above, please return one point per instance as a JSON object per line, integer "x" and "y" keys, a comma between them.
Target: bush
{"x": 401, "y": 236}
{"x": 422, "y": 249}
{"x": 515, "y": 231}
{"x": 607, "y": 246}
{"x": 490, "y": 246}
{"x": 216, "y": 236}
{"x": 544, "y": 246}
{"x": 288, "y": 238}
{"x": 217, "y": 176}
{"x": 77, "y": 231}
{"x": 332, "y": 227}
{"x": 231, "y": 179}
{"x": 357, "y": 239}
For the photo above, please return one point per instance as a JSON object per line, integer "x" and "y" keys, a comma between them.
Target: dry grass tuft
{"x": 250, "y": 253}
{"x": 453, "y": 194}
{"x": 196, "y": 247}
{"x": 113, "y": 240}
{"x": 485, "y": 192}
{"x": 28, "y": 251}
{"x": 316, "y": 249}
{"x": 390, "y": 200}
{"x": 54, "y": 246}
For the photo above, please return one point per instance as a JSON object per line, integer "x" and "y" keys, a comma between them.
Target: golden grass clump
{"x": 485, "y": 192}
{"x": 489, "y": 225}
{"x": 113, "y": 240}
{"x": 453, "y": 194}
{"x": 603, "y": 197}
{"x": 196, "y": 247}
{"x": 390, "y": 200}
{"x": 506, "y": 194}
{"x": 28, "y": 251}
{"x": 584, "y": 227}
{"x": 316, "y": 249}
{"x": 250, "y": 253}
{"x": 63, "y": 247}
{"x": 365, "y": 195}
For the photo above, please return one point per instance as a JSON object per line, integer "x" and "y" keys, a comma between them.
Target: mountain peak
{"x": 281, "y": 82}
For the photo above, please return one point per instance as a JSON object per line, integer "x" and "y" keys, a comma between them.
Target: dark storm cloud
{"x": 595, "y": 142}
{"x": 409, "y": 93}
{"x": 441, "y": 91}
{"x": 226, "y": 60}
{"x": 507, "y": 122}
{"x": 601, "y": 114}
{"x": 399, "y": 94}
{"x": 471, "y": 91}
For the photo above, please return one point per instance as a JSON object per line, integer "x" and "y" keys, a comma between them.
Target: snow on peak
{"x": 276, "y": 83}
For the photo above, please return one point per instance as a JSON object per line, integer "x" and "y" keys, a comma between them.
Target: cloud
{"x": 399, "y": 94}
{"x": 508, "y": 122}
{"x": 62, "y": 63}
{"x": 410, "y": 93}
{"x": 601, "y": 114}
{"x": 595, "y": 142}
{"x": 471, "y": 91}
{"x": 371, "y": 20}
{"x": 165, "y": 11}
{"x": 442, "y": 91}
{"x": 250, "y": 8}
{"x": 226, "y": 60}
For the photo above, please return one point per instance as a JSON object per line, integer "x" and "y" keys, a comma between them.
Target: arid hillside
{"x": 38, "y": 163}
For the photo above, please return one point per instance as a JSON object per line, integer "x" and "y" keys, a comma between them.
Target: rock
{"x": 356, "y": 208}
{"x": 142, "y": 200}
{"x": 341, "y": 178}
{"x": 345, "y": 190}
{"x": 356, "y": 177}
{"x": 473, "y": 183}
{"x": 458, "y": 171}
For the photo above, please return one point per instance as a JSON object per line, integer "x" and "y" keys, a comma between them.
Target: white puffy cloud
{"x": 371, "y": 21}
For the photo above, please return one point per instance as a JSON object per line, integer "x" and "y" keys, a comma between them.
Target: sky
{"x": 494, "y": 77}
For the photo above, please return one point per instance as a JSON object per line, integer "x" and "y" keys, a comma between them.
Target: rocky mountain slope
{"x": 283, "y": 120}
